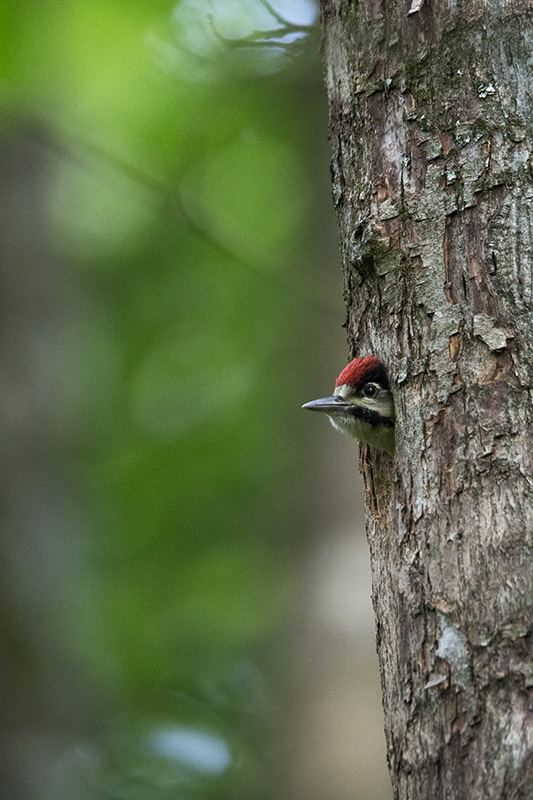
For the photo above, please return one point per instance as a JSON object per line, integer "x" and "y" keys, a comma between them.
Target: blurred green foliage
{"x": 183, "y": 143}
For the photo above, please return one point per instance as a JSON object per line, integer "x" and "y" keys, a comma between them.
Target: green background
{"x": 172, "y": 295}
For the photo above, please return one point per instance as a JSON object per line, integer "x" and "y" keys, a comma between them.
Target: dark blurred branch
{"x": 262, "y": 38}
{"x": 313, "y": 290}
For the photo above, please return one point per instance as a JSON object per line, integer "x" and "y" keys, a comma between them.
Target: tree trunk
{"x": 431, "y": 108}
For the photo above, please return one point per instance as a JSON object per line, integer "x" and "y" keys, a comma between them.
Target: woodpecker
{"x": 362, "y": 403}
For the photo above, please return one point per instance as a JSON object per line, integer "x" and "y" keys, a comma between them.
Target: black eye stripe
{"x": 378, "y": 375}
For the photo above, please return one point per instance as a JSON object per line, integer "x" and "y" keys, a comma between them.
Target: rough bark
{"x": 431, "y": 111}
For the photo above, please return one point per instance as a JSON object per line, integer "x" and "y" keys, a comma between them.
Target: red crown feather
{"x": 357, "y": 369}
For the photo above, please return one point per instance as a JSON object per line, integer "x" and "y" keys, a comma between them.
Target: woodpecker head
{"x": 362, "y": 403}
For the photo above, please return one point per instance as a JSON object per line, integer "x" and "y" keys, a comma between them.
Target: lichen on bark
{"x": 431, "y": 124}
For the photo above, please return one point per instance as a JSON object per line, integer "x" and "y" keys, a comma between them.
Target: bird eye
{"x": 369, "y": 391}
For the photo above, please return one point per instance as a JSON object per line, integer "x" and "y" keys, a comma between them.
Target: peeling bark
{"x": 431, "y": 122}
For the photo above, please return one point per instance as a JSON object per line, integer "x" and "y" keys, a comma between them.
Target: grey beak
{"x": 326, "y": 404}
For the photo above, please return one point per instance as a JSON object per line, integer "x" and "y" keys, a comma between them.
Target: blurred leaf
{"x": 252, "y": 195}
{"x": 178, "y": 140}
{"x": 184, "y": 382}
